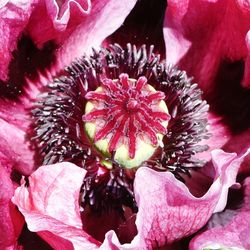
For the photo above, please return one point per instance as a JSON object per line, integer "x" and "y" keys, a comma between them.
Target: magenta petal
{"x": 104, "y": 18}
{"x": 14, "y": 17}
{"x": 60, "y": 14}
{"x": 225, "y": 237}
{"x": 168, "y": 211}
{"x": 15, "y": 124}
{"x": 246, "y": 80}
{"x": 50, "y": 206}
{"x": 76, "y": 26}
{"x": 8, "y": 213}
{"x": 200, "y": 34}
{"x": 234, "y": 234}
{"x": 227, "y": 166}
{"x": 15, "y": 114}
{"x": 15, "y": 151}
{"x": 56, "y": 19}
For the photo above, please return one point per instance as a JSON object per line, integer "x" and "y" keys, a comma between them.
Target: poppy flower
{"x": 114, "y": 143}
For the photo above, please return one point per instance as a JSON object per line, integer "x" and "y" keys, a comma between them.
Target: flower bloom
{"x": 123, "y": 125}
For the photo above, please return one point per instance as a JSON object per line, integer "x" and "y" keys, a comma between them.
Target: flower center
{"x": 110, "y": 123}
{"x": 127, "y": 118}
{"x": 132, "y": 105}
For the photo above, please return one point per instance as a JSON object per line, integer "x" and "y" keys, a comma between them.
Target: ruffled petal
{"x": 234, "y": 235}
{"x": 199, "y": 35}
{"x": 76, "y": 26}
{"x": 56, "y": 19}
{"x": 14, "y": 17}
{"x": 168, "y": 211}
{"x": 8, "y": 213}
{"x": 50, "y": 206}
{"x": 226, "y": 166}
{"x": 105, "y": 17}
{"x": 61, "y": 12}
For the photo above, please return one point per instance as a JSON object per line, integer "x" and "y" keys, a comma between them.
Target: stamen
{"x": 120, "y": 101}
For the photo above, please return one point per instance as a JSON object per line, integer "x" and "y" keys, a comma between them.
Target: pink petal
{"x": 14, "y": 113}
{"x": 224, "y": 238}
{"x": 246, "y": 80}
{"x": 14, "y": 17}
{"x": 76, "y": 26}
{"x": 60, "y": 14}
{"x": 168, "y": 211}
{"x": 11, "y": 221}
{"x": 230, "y": 166}
{"x": 15, "y": 126}
{"x": 50, "y": 206}
{"x": 234, "y": 234}
{"x": 105, "y": 17}
{"x": 56, "y": 19}
{"x": 15, "y": 150}
{"x": 200, "y": 34}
